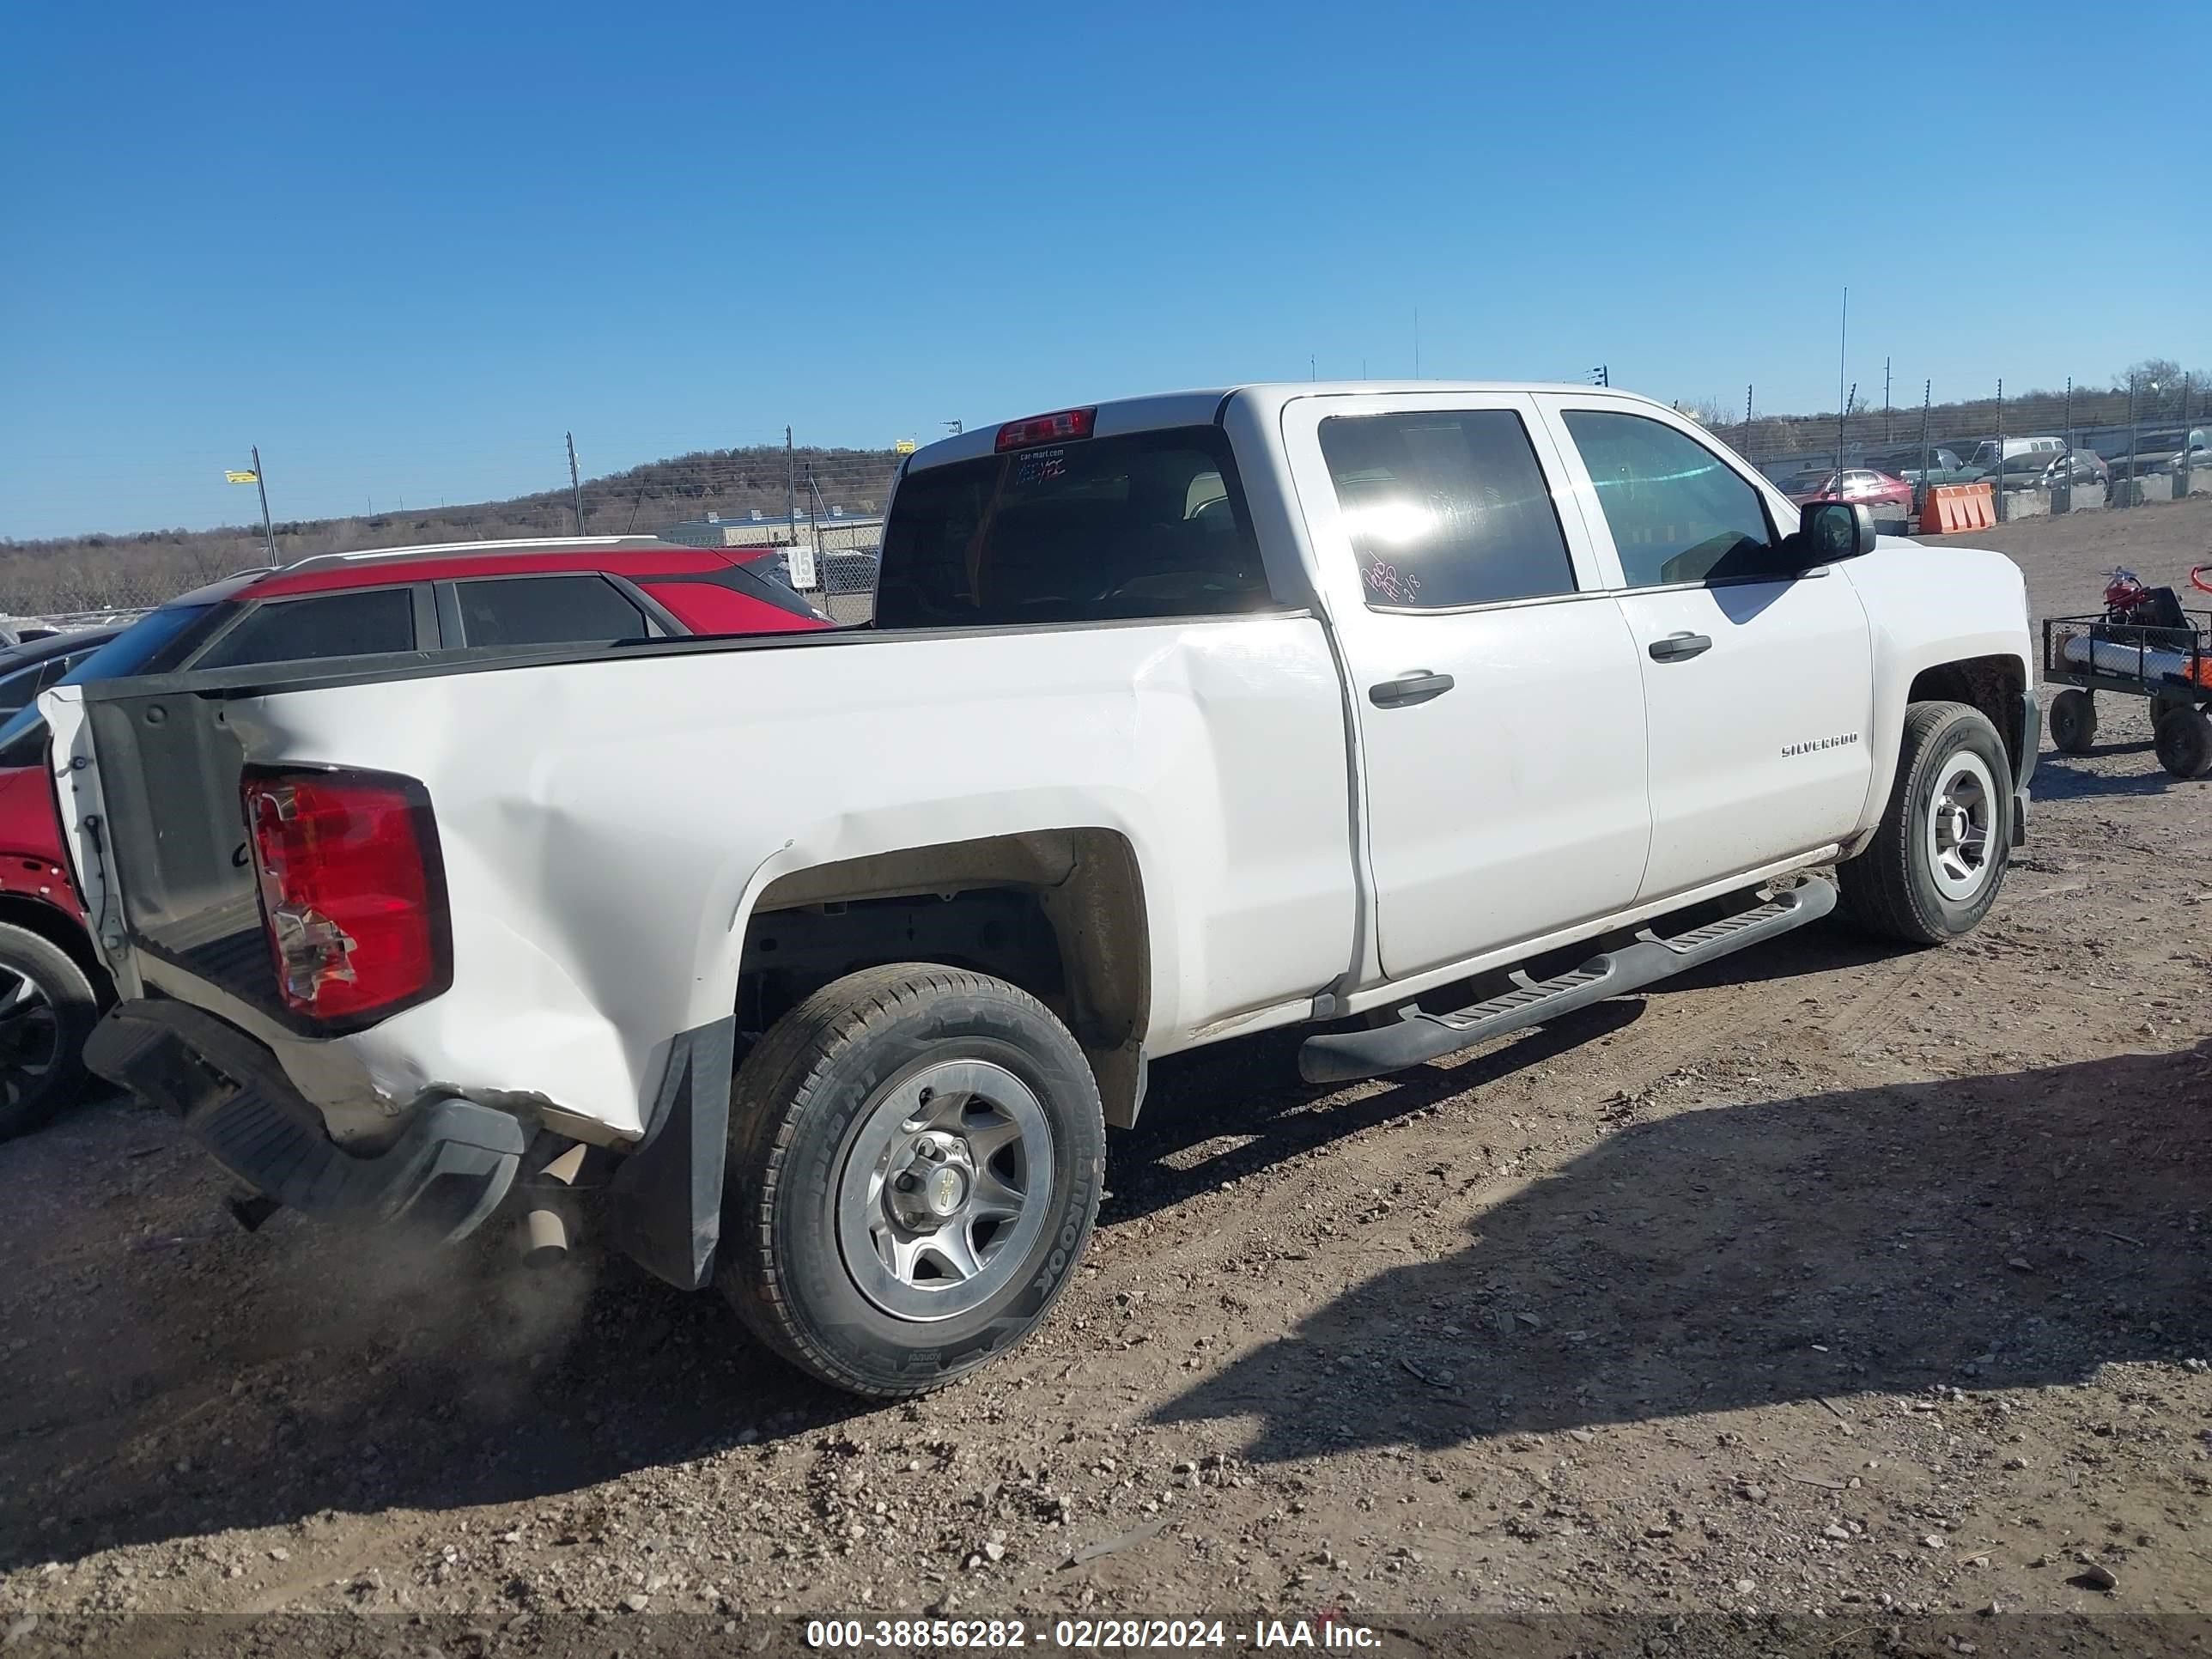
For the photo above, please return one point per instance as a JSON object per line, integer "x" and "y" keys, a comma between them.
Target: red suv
{"x": 393, "y": 601}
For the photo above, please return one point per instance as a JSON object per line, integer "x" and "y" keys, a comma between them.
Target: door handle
{"x": 1404, "y": 693}
{"x": 1679, "y": 648}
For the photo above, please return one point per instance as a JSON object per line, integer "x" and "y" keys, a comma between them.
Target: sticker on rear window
{"x": 1038, "y": 466}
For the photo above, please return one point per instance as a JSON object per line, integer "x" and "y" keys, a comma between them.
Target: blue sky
{"x": 405, "y": 248}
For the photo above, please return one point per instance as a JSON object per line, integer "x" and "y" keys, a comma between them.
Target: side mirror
{"x": 1828, "y": 531}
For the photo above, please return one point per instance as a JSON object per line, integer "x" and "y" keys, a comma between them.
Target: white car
{"x": 2023, "y": 455}
{"x": 817, "y": 964}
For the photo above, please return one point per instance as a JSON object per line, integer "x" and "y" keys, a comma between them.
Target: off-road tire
{"x": 2073, "y": 722}
{"x": 2183, "y": 737}
{"x": 27, "y": 1101}
{"x": 803, "y": 1091}
{"x": 1890, "y": 889}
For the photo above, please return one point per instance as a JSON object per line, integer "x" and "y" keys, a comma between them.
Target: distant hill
{"x": 92, "y": 571}
{"x": 83, "y": 572}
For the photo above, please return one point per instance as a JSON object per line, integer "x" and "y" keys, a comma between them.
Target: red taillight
{"x": 352, "y": 889}
{"x": 1046, "y": 429}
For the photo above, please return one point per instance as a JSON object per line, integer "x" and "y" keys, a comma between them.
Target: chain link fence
{"x": 830, "y": 560}
{"x": 2041, "y": 454}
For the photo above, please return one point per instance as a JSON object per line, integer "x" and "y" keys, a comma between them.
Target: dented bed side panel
{"x": 607, "y": 825}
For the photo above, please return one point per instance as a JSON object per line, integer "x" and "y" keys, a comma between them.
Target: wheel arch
{"x": 1995, "y": 682}
{"x": 61, "y": 930}
{"x": 1059, "y": 913}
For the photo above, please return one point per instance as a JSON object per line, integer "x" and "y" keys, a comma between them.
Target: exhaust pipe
{"x": 545, "y": 1236}
{"x": 549, "y": 1225}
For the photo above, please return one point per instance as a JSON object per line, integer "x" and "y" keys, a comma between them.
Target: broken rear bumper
{"x": 448, "y": 1172}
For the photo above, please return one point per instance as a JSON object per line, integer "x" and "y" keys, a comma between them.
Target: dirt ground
{"x": 1832, "y": 1282}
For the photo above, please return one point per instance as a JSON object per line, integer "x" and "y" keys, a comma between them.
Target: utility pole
{"x": 1747, "y": 420}
{"x": 268, "y": 530}
{"x": 1999, "y": 503}
{"x": 790, "y": 487}
{"x": 1884, "y": 401}
{"x": 953, "y": 427}
{"x": 1843, "y": 342}
{"x": 2131, "y": 440}
{"x": 1600, "y": 375}
{"x": 817, "y": 510}
{"x": 1311, "y": 373}
{"x": 1849, "y": 398}
{"x": 804, "y": 562}
{"x": 575, "y": 489}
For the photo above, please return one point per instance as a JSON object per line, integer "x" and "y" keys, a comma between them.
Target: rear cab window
{"x": 1136, "y": 526}
{"x": 1446, "y": 508}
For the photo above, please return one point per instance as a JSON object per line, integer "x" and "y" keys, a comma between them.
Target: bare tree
{"x": 1712, "y": 412}
{"x": 2153, "y": 382}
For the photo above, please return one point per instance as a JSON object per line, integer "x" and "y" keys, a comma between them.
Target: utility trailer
{"x": 2144, "y": 645}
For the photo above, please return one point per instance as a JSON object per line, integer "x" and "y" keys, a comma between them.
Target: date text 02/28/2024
{"x": 1095, "y": 1635}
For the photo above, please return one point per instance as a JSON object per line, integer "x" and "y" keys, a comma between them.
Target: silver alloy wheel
{"x": 945, "y": 1184}
{"x": 1962, "y": 827}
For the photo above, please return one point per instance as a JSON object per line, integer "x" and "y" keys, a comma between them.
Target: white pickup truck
{"x": 817, "y": 964}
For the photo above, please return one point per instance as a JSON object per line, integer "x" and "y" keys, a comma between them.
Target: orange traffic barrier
{"x": 1951, "y": 508}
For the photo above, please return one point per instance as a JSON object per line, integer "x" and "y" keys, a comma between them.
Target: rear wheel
{"x": 2183, "y": 740}
{"x": 2073, "y": 722}
{"x": 47, "y": 1009}
{"x": 916, "y": 1159}
{"x": 1936, "y": 860}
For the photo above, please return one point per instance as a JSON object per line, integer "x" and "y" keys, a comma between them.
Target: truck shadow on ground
{"x": 1220, "y": 1114}
{"x": 1999, "y": 1232}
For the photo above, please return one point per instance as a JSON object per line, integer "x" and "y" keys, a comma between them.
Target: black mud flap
{"x": 665, "y": 1202}
{"x": 2031, "y": 742}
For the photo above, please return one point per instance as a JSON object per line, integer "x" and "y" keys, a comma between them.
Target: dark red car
{"x": 396, "y": 601}
{"x": 1851, "y": 483}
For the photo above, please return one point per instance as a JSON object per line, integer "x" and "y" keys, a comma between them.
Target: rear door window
{"x": 547, "y": 611}
{"x": 1446, "y": 508}
{"x": 1147, "y": 524}
{"x": 358, "y": 622}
